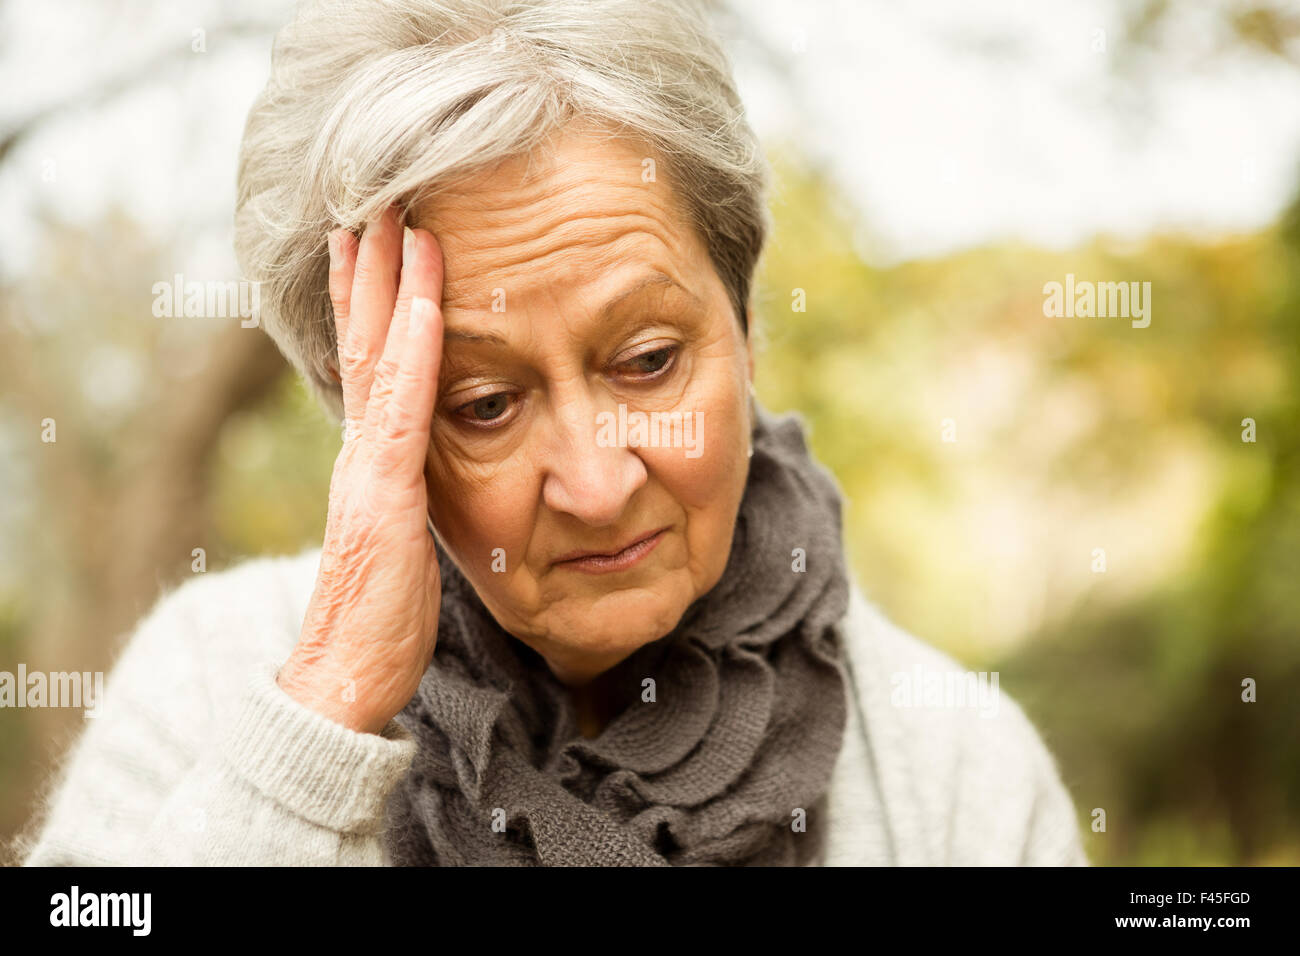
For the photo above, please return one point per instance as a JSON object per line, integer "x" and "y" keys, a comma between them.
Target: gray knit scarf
{"x": 729, "y": 766}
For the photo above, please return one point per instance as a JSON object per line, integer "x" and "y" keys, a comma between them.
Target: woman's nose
{"x": 591, "y": 480}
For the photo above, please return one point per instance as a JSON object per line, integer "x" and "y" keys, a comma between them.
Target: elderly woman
{"x": 580, "y": 600}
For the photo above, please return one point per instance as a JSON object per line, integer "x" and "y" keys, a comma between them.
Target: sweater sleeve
{"x": 197, "y": 757}
{"x": 1008, "y": 805}
{"x": 961, "y": 782}
{"x": 1011, "y": 806}
{"x": 1052, "y": 835}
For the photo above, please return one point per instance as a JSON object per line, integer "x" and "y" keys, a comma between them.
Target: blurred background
{"x": 936, "y": 165}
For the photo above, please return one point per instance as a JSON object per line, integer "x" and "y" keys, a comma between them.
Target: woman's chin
{"x": 613, "y": 627}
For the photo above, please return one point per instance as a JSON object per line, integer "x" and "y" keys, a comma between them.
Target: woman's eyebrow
{"x": 653, "y": 280}
{"x": 464, "y": 335}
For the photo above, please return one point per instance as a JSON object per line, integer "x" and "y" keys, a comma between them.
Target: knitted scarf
{"x": 728, "y": 765}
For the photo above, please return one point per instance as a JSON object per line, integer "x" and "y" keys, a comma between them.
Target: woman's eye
{"x": 649, "y": 363}
{"x": 489, "y": 408}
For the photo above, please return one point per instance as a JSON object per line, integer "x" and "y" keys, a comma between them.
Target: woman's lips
{"x": 604, "y": 563}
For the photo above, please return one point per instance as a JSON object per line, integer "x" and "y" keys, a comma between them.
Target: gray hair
{"x": 375, "y": 102}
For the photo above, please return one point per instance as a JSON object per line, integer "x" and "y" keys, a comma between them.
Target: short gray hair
{"x": 375, "y": 102}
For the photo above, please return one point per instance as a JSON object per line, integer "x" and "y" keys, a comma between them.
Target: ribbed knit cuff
{"x": 322, "y": 771}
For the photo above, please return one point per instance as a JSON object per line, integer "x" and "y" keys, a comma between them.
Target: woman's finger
{"x": 421, "y": 270}
{"x": 399, "y": 412}
{"x": 401, "y": 438}
{"x": 370, "y": 308}
{"x": 421, "y": 276}
{"x": 343, "y": 260}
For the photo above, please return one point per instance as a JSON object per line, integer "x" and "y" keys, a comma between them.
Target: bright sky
{"x": 952, "y": 122}
{"x": 949, "y": 122}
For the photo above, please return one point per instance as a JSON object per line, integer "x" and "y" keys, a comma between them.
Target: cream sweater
{"x": 198, "y": 757}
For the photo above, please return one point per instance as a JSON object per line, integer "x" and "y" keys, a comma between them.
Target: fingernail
{"x": 408, "y": 243}
{"x": 421, "y": 309}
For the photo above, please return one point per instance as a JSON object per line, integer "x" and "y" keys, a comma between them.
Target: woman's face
{"x": 576, "y": 305}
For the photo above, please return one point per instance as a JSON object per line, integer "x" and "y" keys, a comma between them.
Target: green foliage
{"x": 1074, "y": 434}
{"x": 271, "y": 474}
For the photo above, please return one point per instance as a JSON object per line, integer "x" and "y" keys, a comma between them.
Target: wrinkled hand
{"x": 371, "y": 626}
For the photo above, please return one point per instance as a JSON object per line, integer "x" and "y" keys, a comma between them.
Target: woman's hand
{"x": 371, "y": 626}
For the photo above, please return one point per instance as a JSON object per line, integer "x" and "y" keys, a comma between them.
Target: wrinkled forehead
{"x": 563, "y": 221}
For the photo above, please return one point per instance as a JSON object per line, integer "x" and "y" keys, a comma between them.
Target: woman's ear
{"x": 749, "y": 341}
{"x": 753, "y": 418}
{"x": 749, "y": 369}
